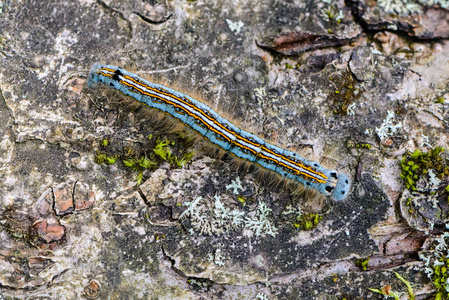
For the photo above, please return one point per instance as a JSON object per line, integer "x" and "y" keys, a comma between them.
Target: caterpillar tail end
{"x": 93, "y": 81}
{"x": 341, "y": 189}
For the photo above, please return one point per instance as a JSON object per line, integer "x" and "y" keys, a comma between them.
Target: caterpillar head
{"x": 341, "y": 189}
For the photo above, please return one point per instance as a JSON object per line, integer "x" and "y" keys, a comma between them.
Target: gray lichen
{"x": 220, "y": 219}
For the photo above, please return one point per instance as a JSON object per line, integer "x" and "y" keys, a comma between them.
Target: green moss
{"x": 110, "y": 160}
{"x": 308, "y": 221}
{"x": 103, "y": 158}
{"x": 289, "y": 66}
{"x": 363, "y": 146}
{"x": 437, "y": 264}
{"x": 362, "y": 263}
{"x": 440, "y": 100}
{"x": 129, "y": 162}
{"x": 100, "y": 158}
{"x": 163, "y": 151}
{"x": 416, "y": 164}
{"x": 440, "y": 276}
{"x": 145, "y": 163}
{"x": 159, "y": 236}
{"x": 184, "y": 159}
{"x": 148, "y": 156}
{"x": 345, "y": 92}
{"x": 138, "y": 164}
{"x": 242, "y": 200}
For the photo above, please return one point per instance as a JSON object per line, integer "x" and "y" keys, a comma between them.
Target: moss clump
{"x": 362, "y": 263}
{"x": 150, "y": 160}
{"x": 440, "y": 277}
{"x": 416, "y": 164}
{"x": 308, "y": 221}
{"x": 363, "y": 146}
{"x": 437, "y": 264}
{"x": 289, "y": 66}
{"x": 138, "y": 164}
{"x": 148, "y": 156}
{"x": 163, "y": 151}
{"x": 242, "y": 200}
{"x": 345, "y": 92}
{"x": 103, "y": 158}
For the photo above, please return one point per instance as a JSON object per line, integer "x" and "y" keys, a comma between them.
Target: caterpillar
{"x": 221, "y": 132}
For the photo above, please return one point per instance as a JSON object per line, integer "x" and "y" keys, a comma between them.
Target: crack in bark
{"x": 172, "y": 262}
{"x": 120, "y": 14}
{"x": 195, "y": 282}
{"x": 403, "y": 29}
{"x": 154, "y": 22}
{"x": 53, "y": 203}
{"x": 73, "y": 195}
{"x": 296, "y": 42}
{"x": 144, "y": 198}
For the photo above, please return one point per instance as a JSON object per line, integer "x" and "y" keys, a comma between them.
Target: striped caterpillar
{"x": 221, "y": 132}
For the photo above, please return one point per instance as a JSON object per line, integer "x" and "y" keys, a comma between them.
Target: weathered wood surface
{"x": 356, "y": 85}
